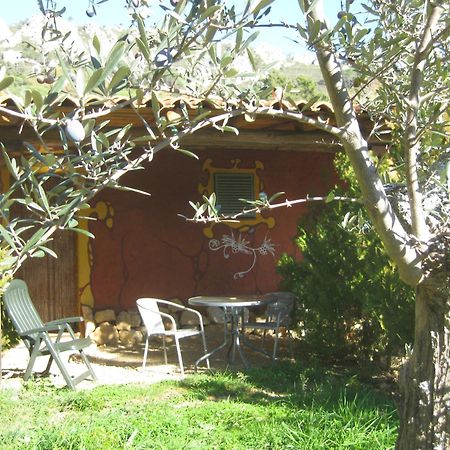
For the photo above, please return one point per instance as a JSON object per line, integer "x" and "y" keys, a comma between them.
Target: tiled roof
{"x": 169, "y": 100}
{"x": 264, "y": 132}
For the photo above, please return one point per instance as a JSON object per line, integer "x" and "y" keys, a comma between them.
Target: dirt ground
{"x": 119, "y": 365}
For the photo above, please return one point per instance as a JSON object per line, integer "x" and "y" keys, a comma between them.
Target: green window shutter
{"x": 229, "y": 188}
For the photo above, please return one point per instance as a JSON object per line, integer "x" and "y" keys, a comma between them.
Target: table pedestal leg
{"x": 231, "y": 338}
{"x": 208, "y": 355}
{"x": 234, "y": 315}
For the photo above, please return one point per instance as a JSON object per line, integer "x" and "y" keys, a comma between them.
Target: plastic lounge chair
{"x": 278, "y": 315}
{"x": 154, "y": 324}
{"x": 36, "y": 337}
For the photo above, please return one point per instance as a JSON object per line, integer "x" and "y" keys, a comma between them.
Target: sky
{"x": 112, "y": 13}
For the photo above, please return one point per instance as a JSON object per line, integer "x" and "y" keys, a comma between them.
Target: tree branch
{"x": 411, "y": 143}
{"x": 299, "y": 117}
{"x": 268, "y": 206}
{"x": 396, "y": 240}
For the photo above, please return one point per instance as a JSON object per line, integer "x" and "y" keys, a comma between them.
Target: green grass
{"x": 284, "y": 407}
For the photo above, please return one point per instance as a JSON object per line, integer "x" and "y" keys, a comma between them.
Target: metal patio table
{"x": 233, "y": 307}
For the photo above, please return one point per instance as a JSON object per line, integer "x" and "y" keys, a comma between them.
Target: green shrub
{"x": 8, "y": 336}
{"x": 353, "y": 303}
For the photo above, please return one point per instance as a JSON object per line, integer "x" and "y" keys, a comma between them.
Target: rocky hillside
{"x": 22, "y": 49}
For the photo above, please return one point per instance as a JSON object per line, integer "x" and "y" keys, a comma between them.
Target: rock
{"x": 188, "y": 318}
{"x": 206, "y": 320}
{"x": 105, "y": 315}
{"x": 89, "y": 327}
{"x": 123, "y": 326}
{"x": 123, "y": 316}
{"x": 216, "y": 314}
{"x": 87, "y": 313}
{"x": 135, "y": 318}
{"x": 168, "y": 325}
{"x": 130, "y": 338}
{"x": 105, "y": 334}
{"x": 123, "y": 321}
{"x": 177, "y": 301}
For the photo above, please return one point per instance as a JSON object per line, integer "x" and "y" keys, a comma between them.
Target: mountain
{"x": 22, "y": 49}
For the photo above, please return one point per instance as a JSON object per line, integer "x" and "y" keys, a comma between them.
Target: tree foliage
{"x": 51, "y": 184}
{"x": 400, "y": 49}
{"x": 297, "y": 88}
{"x": 403, "y": 82}
{"x": 178, "y": 56}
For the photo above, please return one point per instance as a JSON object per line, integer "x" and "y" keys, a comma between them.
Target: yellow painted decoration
{"x": 4, "y": 179}
{"x": 104, "y": 212}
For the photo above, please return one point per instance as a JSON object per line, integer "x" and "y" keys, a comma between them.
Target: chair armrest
{"x": 64, "y": 321}
{"x": 175, "y": 305}
{"x": 194, "y": 311}
{"x": 183, "y": 308}
{"x": 43, "y": 329}
{"x": 52, "y": 326}
{"x": 278, "y": 321}
{"x": 172, "y": 320}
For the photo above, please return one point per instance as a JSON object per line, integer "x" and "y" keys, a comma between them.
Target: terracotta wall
{"x": 143, "y": 248}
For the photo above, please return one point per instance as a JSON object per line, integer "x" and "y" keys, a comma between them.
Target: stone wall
{"x": 105, "y": 327}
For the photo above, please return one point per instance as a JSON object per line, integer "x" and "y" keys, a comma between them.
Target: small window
{"x": 230, "y": 188}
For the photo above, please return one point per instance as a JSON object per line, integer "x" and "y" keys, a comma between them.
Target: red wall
{"x": 151, "y": 251}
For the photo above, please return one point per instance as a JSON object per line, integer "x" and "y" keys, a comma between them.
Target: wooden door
{"x": 52, "y": 282}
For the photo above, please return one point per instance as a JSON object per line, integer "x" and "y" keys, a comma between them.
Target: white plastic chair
{"x": 154, "y": 325}
{"x": 278, "y": 315}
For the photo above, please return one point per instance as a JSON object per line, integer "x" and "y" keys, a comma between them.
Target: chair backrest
{"x": 148, "y": 308}
{"x": 283, "y": 304}
{"x": 21, "y": 310}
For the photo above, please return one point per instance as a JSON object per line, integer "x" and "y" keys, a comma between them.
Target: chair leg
{"x": 275, "y": 344}
{"x": 291, "y": 343}
{"x": 49, "y": 364}
{"x": 234, "y": 337}
{"x": 165, "y": 350}
{"x": 33, "y": 355}
{"x": 56, "y": 356}
{"x": 205, "y": 349}
{"x": 144, "y": 361}
{"x": 88, "y": 365}
{"x": 180, "y": 359}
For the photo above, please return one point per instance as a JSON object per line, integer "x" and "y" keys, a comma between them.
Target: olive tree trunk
{"x": 425, "y": 379}
{"x": 424, "y": 408}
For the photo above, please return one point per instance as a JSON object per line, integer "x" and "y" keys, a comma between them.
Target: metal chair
{"x": 154, "y": 325}
{"x": 36, "y": 337}
{"x": 278, "y": 315}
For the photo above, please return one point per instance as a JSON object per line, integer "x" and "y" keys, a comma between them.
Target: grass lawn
{"x": 282, "y": 407}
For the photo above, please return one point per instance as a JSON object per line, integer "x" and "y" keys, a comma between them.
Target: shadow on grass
{"x": 291, "y": 383}
{"x": 283, "y": 406}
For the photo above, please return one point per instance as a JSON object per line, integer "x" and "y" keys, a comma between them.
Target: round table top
{"x": 228, "y": 301}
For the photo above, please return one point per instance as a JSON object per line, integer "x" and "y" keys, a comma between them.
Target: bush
{"x": 354, "y": 304}
{"x": 9, "y": 336}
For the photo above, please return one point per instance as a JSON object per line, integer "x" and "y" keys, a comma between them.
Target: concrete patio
{"x": 121, "y": 365}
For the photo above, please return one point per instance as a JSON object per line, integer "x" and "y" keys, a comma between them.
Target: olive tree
{"x": 53, "y": 182}
{"x": 399, "y": 52}
{"x": 405, "y": 59}
{"x": 401, "y": 63}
